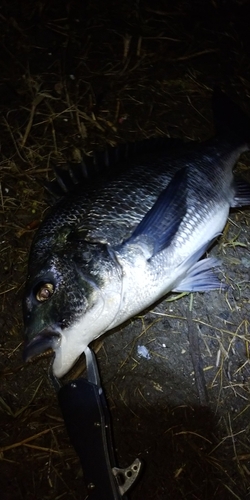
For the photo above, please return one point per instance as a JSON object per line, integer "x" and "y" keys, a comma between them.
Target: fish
{"x": 122, "y": 238}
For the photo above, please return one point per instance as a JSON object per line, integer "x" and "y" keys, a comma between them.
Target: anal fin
{"x": 242, "y": 193}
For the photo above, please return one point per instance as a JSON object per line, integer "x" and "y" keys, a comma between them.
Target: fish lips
{"x": 46, "y": 340}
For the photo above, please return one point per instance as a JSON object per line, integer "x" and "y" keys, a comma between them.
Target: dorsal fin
{"x": 103, "y": 162}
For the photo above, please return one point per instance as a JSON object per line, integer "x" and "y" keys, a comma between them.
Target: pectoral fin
{"x": 161, "y": 223}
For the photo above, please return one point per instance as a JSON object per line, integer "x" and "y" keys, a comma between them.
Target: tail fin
{"x": 229, "y": 119}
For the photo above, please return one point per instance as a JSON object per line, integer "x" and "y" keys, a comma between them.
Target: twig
{"x": 196, "y": 358}
{"x": 24, "y": 441}
{"x": 191, "y": 56}
{"x": 39, "y": 98}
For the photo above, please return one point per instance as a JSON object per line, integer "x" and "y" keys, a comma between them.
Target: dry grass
{"x": 74, "y": 79}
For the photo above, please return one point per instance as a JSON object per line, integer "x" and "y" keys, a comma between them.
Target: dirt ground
{"x": 76, "y": 76}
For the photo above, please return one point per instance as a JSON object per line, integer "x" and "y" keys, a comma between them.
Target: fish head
{"x": 70, "y": 299}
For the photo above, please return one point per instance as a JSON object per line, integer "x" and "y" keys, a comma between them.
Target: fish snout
{"x": 46, "y": 340}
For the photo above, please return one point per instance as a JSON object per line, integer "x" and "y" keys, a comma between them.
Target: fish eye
{"x": 44, "y": 292}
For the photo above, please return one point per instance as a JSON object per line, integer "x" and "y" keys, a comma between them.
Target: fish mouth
{"x": 41, "y": 344}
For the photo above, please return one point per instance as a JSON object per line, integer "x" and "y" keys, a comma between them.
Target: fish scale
{"x": 120, "y": 240}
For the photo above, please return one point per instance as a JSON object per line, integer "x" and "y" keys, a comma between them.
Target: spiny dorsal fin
{"x": 103, "y": 162}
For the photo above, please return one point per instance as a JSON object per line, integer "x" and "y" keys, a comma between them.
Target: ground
{"x": 77, "y": 76}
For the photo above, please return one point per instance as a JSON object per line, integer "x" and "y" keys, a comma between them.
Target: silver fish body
{"x": 114, "y": 246}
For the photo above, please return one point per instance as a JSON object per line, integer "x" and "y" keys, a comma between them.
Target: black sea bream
{"x": 118, "y": 243}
